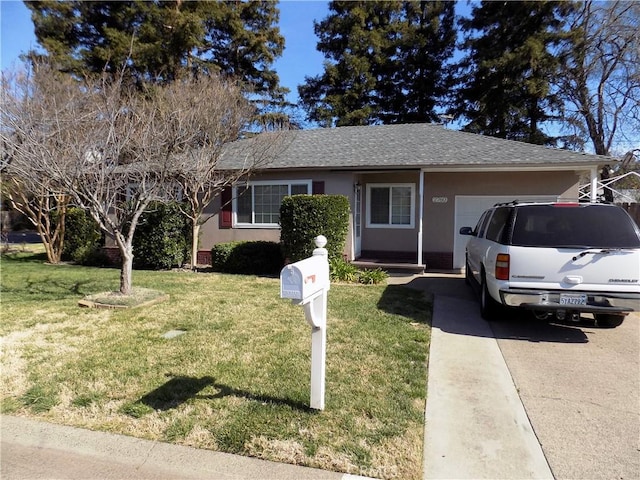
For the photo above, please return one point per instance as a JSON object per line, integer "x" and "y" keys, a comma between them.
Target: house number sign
{"x": 439, "y": 199}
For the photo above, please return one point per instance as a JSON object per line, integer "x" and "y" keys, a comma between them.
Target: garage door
{"x": 468, "y": 211}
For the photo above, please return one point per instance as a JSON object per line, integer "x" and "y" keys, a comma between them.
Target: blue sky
{"x": 300, "y": 57}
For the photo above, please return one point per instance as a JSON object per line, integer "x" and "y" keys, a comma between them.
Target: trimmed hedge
{"x": 304, "y": 217}
{"x": 163, "y": 237}
{"x": 247, "y": 258}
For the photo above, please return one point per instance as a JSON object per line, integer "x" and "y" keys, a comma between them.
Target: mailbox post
{"x": 306, "y": 283}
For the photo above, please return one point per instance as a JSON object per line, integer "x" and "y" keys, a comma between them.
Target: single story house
{"x": 410, "y": 187}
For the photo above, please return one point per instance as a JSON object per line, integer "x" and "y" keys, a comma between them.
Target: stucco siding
{"x": 439, "y": 216}
{"x": 335, "y": 183}
{"x": 440, "y": 191}
{"x": 390, "y": 239}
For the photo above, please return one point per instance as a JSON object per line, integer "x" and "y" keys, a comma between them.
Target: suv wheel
{"x": 608, "y": 320}
{"x": 489, "y": 308}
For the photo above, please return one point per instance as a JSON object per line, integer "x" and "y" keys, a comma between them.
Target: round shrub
{"x": 92, "y": 256}
{"x": 83, "y": 240}
{"x": 220, "y": 256}
{"x": 163, "y": 237}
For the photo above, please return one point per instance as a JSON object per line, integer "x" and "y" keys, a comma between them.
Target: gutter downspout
{"x": 421, "y": 195}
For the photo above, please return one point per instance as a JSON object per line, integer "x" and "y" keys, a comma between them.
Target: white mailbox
{"x": 306, "y": 283}
{"x": 305, "y": 279}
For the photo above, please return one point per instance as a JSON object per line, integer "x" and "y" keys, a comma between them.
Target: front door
{"x": 357, "y": 220}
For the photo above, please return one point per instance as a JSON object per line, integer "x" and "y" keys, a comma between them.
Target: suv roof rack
{"x": 506, "y": 204}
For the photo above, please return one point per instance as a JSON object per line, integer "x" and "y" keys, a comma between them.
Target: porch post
{"x": 421, "y": 210}
{"x": 594, "y": 184}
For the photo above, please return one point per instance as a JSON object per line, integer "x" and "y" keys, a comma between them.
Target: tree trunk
{"x": 54, "y": 254}
{"x": 126, "y": 252}
{"x": 195, "y": 233}
{"x": 38, "y": 210}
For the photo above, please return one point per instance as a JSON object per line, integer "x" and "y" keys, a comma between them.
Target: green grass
{"x": 138, "y": 296}
{"x": 237, "y": 381}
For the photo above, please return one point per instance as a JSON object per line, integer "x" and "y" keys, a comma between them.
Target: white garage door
{"x": 468, "y": 211}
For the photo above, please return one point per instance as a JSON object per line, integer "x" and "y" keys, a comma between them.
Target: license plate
{"x": 566, "y": 299}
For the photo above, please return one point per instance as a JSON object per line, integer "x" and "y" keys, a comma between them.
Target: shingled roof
{"x": 410, "y": 146}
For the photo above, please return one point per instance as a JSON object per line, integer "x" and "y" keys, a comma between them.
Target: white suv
{"x": 556, "y": 259}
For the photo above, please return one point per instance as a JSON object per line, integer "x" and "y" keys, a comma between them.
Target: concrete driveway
{"x": 580, "y": 386}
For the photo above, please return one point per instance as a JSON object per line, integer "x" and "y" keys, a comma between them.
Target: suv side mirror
{"x": 467, "y": 231}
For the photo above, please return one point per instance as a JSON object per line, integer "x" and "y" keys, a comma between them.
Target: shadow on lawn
{"x": 55, "y": 287}
{"x": 18, "y": 256}
{"x": 178, "y": 390}
{"x": 410, "y": 303}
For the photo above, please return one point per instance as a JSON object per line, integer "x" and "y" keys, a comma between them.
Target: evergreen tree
{"x": 156, "y": 39}
{"x": 243, "y": 40}
{"x": 352, "y": 40}
{"x": 505, "y": 78}
{"x": 421, "y": 76}
{"x": 385, "y": 62}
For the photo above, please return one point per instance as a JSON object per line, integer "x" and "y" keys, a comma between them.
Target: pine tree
{"x": 351, "y": 39}
{"x": 157, "y": 39}
{"x": 422, "y": 77}
{"x": 385, "y": 62}
{"x": 505, "y": 77}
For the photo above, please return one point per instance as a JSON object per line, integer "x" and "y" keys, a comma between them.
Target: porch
{"x": 389, "y": 261}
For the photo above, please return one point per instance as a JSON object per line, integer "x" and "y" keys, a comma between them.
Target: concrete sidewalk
{"x": 32, "y": 450}
{"x": 475, "y": 424}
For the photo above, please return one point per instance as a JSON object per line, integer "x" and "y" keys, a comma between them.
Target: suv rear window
{"x": 498, "y": 224}
{"x": 574, "y": 226}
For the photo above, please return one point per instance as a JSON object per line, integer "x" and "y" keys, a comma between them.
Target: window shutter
{"x": 317, "y": 188}
{"x": 225, "y": 219}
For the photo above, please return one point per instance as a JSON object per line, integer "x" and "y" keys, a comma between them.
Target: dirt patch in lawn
{"x": 139, "y": 297}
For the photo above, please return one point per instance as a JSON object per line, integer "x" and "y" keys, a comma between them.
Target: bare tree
{"x": 205, "y": 115}
{"x": 102, "y": 143}
{"x": 28, "y": 142}
{"x": 600, "y": 80}
{"x": 44, "y": 207}
{"x": 114, "y": 148}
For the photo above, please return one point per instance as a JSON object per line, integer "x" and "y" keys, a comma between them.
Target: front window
{"x": 258, "y": 203}
{"x": 390, "y": 205}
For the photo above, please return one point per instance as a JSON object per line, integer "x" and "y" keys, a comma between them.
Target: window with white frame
{"x": 257, "y": 204}
{"x": 390, "y": 205}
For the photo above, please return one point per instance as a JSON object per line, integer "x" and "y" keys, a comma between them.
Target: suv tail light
{"x": 502, "y": 266}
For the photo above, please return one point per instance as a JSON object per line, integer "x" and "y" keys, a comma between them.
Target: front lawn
{"x": 236, "y": 380}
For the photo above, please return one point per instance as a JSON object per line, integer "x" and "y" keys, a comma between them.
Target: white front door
{"x": 357, "y": 220}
